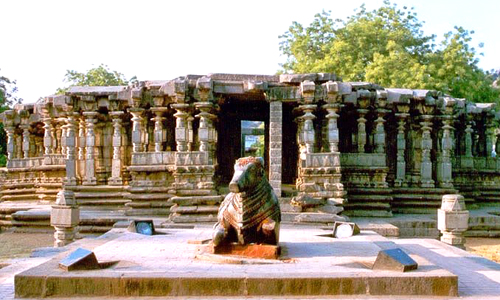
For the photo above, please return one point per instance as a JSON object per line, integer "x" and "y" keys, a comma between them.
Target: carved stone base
{"x": 252, "y": 250}
{"x": 64, "y": 235}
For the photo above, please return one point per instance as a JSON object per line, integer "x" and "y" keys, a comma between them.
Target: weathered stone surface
{"x": 394, "y": 260}
{"x": 80, "y": 259}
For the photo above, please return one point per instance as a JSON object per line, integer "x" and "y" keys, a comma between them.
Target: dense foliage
{"x": 387, "y": 46}
{"x": 98, "y": 76}
{"x": 7, "y": 97}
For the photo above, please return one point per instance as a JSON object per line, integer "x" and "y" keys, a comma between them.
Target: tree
{"x": 98, "y": 76}
{"x": 387, "y": 46}
{"x": 7, "y": 97}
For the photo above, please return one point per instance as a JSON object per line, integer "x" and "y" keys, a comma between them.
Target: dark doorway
{"x": 231, "y": 139}
{"x": 290, "y": 148}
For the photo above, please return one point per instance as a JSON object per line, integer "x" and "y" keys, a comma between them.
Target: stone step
{"x": 372, "y": 213}
{"x": 412, "y": 210}
{"x": 9, "y": 191}
{"x": 32, "y": 215}
{"x": 83, "y": 195}
{"x": 369, "y": 198}
{"x": 148, "y": 196}
{"x": 424, "y": 191}
{"x": 408, "y": 197}
{"x": 178, "y": 218}
{"x": 149, "y": 204}
{"x": 197, "y": 200}
{"x": 194, "y": 209}
{"x": 157, "y": 211}
{"x": 369, "y": 191}
{"x": 150, "y": 189}
{"x": 98, "y": 188}
{"x": 20, "y": 197}
{"x": 372, "y": 205}
{"x": 102, "y": 202}
{"x": 420, "y": 203}
{"x": 199, "y": 192}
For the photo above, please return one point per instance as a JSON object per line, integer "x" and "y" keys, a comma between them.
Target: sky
{"x": 161, "y": 40}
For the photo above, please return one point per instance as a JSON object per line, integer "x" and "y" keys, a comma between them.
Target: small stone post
{"x": 453, "y": 220}
{"x": 64, "y": 217}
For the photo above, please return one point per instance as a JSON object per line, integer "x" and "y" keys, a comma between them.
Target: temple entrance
{"x": 243, "y": 130}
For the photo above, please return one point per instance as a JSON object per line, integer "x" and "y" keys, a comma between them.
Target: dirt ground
{"x": 486, "y": 247}
{"x": 16, "y": 245}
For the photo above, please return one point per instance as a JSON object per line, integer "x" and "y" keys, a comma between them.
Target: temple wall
{"x": 153, "y": 148}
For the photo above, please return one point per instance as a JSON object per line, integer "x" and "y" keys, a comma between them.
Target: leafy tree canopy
{"x": 7, "y": 97}
{"x": 7, "y": 92}
{"x": 387, "y": 46}
{"x": 98, "y": 76}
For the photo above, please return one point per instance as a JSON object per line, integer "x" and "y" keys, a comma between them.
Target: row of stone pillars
{"x": 307, "y": 134}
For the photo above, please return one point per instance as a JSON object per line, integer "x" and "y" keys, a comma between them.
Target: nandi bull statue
{"x": 250, "y": 213}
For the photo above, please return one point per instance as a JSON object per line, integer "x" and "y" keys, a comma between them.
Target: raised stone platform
{"x": 311, "y": 264}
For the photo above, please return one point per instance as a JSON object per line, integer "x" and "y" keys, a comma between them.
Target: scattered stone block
{"x": 80, "y": 259}
{"x": 394, "y": 260}
{"x": 345, "y": 229}
{"x": 145, "y": 227}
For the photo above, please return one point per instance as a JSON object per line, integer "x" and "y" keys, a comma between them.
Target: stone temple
{"x": 168, "y": 147}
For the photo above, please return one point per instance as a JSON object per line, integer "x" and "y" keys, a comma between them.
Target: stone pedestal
{"x": 65, "y": 217}
{"x": 453, "y": 220}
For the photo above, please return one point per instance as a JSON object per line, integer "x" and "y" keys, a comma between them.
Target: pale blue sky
{"x": 165, "y": 39}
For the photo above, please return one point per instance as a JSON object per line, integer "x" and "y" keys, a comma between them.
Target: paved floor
{"x": 479, "y": 278}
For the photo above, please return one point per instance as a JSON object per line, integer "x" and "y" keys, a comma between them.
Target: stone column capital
{"x": 117, "y": 114}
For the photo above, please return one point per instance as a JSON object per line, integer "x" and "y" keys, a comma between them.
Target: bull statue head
{"x": 248, "y": 172}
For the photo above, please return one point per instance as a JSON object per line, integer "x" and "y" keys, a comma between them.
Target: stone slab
{"x": 80, "y": 259}
{"x": 394, "y": 260}
{"x": 311, "y": 264}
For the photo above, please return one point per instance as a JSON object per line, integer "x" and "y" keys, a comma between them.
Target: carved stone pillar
{"x": 26, "y": 140}
{"x": 70, "y": 142}
{"x": 58, "y": 137}
{"x": 379, "y": 139}
{"x": 275, "y": 143}
{"x": 361, "y": 130}
{"x": 333, "y": 130}
{"x": 426, "y": 164}
{"x": 190, "y": 120}
{"x": 10, "y": 142}
{"x": 490, "y": 133}
{"x": 468, "y": 140}
{"x": 137, "y": 130}
{"x": 497, "y": 149}
{"x": 308, "y": 136}
{"x": 64, "y": 129}
{"x": 206, "y": 129}
{"x": 81, "y": 148}
{"x": 47, "y": 137}
{"x": 401, "y": 148}
{"x": 181, "y": 127}
{"x": 19, "y": 146}
{"x": 90, "y": 120}
{"x": 444, "y": 162}
{"x": 159, "y": 133}
{"x": 116, "y": 168}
